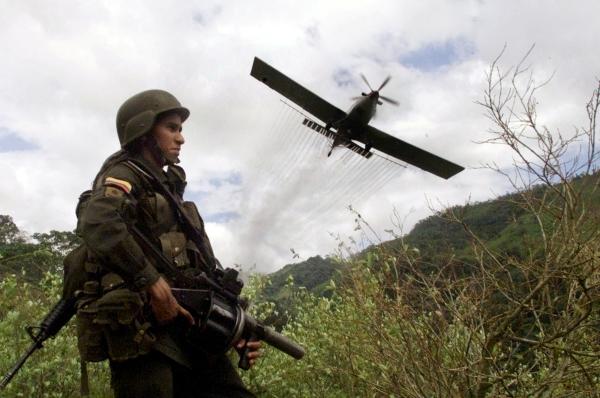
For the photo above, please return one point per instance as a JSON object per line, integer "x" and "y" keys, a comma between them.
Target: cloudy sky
{"x": 262, "y": 182}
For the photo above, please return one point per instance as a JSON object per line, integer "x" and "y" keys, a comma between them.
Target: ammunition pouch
{"x": 174, "y": 246}
{"x": 112, "y": 325}
{"x": 75, "y": 274}
{"x": 192, "y": 212}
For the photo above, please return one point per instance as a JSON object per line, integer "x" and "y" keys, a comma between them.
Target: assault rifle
{"x": 58, "y": 317}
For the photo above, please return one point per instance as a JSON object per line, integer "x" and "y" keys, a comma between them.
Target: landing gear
{"x": 368, "y": 146}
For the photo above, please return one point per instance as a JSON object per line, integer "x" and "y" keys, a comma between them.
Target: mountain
{"x": 314, "y": 274}
{"x": 503, "y": 223}
{"x": 500, "y": 221}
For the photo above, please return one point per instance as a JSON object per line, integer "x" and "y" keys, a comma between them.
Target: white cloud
{"x": 66, "y": 70}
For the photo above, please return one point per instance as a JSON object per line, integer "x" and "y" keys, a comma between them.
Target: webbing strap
{"x": 84, "y": 387}
{"x": 192, "y": 233}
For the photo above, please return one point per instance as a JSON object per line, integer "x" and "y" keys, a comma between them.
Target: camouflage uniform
{"x": 114, "y": 317}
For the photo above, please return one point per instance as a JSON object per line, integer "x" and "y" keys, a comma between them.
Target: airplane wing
{"x": 411, "y": 154}
{"x": 304, "y": 98}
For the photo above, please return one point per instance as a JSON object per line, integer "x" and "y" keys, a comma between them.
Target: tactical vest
{"x": 113, "y": 320}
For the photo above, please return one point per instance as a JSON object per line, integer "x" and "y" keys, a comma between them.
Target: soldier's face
{"x": 167, "y": 132}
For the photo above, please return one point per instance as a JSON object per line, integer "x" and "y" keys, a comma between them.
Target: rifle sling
{"x": 189, "y": 229}
{"x": 167, "y": 266}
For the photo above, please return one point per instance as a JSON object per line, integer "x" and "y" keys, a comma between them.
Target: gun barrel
{"x": 8, "y": 377}
{"x": 273, "y": 338}
{"x": 58, "y": 316}
{"x": 283, "y": 343}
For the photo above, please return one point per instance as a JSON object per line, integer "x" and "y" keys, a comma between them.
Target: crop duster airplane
{"x": 354, "y": 125}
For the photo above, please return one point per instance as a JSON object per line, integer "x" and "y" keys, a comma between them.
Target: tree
{"x": 542, "y": 309}
{"x": 9, "y": 232}
{"x": 59, "y": 242}
{"x": 20, "y": 255}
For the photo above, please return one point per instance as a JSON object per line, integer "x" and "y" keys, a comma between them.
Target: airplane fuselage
{"x": 363, "y": 111}
{"x": 353, "y": 125}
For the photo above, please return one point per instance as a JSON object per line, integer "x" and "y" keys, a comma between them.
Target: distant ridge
{"x": 502, "y": 223}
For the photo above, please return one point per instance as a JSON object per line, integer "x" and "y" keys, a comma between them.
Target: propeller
{"x": 366, "y": 81}
{"x": 383, "y": 84}
{"x": 387, "y": 79}
{"x": 389, "y": 100}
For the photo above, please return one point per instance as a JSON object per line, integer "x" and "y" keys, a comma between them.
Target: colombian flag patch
{"x": 121, "y": 184}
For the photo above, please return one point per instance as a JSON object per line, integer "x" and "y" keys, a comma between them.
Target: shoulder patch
{"x": 123, "y": 185}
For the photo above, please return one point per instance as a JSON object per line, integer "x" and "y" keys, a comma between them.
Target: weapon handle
{"x": 244, "y": 362}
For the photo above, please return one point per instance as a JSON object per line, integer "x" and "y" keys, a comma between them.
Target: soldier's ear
{"x": 136, "y": 145}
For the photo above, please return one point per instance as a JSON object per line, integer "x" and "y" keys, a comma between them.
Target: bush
{"x": 53, "y": 371}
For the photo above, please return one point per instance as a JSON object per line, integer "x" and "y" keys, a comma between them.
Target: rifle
{"x": 58, "y": 317}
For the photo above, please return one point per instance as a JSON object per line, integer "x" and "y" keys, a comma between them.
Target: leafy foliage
{"x": 54, "y": 370}
{"x": 314, "y": 274}
{"x": 31, "y": 258}
{"x": 9, "y": 232}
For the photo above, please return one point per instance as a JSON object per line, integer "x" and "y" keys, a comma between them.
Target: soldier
{"x": 126, "y": 312}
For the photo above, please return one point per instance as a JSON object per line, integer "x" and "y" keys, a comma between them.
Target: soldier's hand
{"x": 254, "y": 349}
{"x": 164, "y": 306}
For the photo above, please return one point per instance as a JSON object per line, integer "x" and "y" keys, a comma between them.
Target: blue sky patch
{"x": 438, "y": 54}
{"x": 343, "y": 77}
{"x": 196, "y": 196}
{"x": 205, "y": 17}
{"x": 234, "y": 178}
{"x": 221, "y": 217}
{"x": 11, "y": 142}
{"x": 199, "y": 18}
{"x": 313, "y": 34}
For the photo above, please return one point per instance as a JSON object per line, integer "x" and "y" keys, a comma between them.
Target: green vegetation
{"x": 31, "y": 284}
{"x": 313, "y": 274}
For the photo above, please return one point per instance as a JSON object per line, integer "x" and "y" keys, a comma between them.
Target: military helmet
{"x": 137, "y": 115}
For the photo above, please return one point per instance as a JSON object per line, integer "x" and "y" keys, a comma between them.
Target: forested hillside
{"x": 504, "y": 223}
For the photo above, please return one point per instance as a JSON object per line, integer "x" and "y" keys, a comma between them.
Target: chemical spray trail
{"x": 293, "y": 185}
